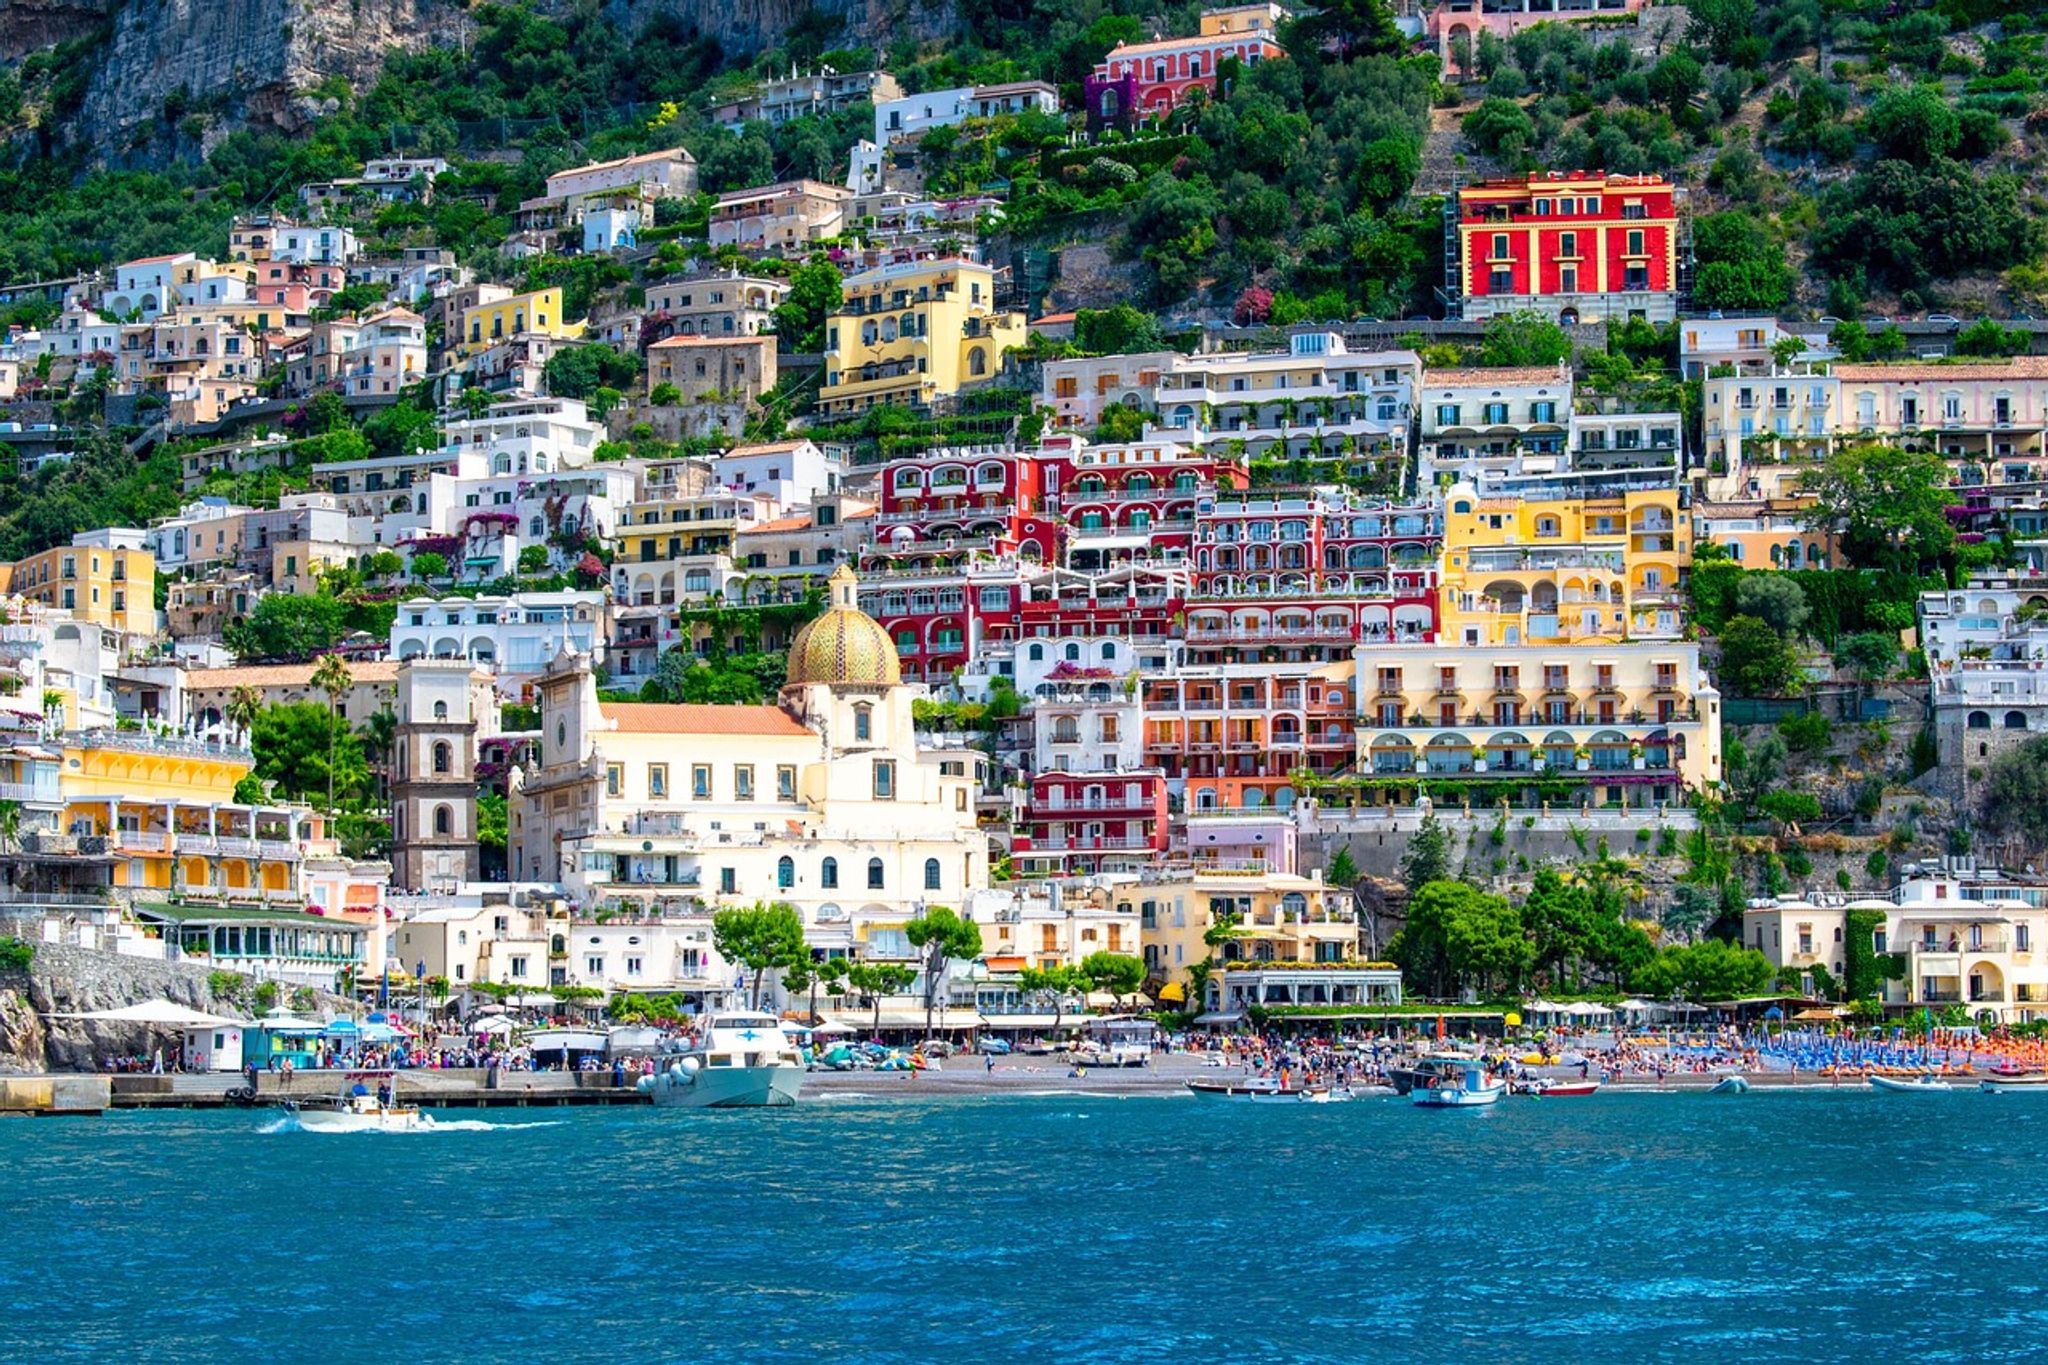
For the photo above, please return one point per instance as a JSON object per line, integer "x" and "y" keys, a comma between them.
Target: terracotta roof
{"x": 285, "y": 675}
{"x": 690, "y": 718}
{"x": 766, "y": 448}
{"x": 669, "y": 343}
{"x": 801, "y": 521}
{"x": 1264, "y": 35}
{"x": 2019, "y": 367}
{"x": 1512, "y": 374}
{"x": 1054, "y": 317}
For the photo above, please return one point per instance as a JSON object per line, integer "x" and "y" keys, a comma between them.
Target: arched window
{"x": 931, "y": 874}
{"x": 874, "y": 874}
{"x": 1073, "y": 653}
{"x": 828, "y": 874}
{"x": 863, "y": 723}
{"x": 2015, "y": 720}
{"x": 440, "y": 710}
{"x": 444, "y": 757}
{"x": 444, "y": 820}
{"x": 785, "y": 872}
{"x": 1038, "y": 654}
{"x": 1979, "y": 720}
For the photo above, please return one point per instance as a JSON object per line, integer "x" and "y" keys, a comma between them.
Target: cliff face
{"x": 67, "y": 980}
{"x": 260, "y": 55}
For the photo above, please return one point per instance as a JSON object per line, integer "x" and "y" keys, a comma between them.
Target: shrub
{"x": 16, "y": 954}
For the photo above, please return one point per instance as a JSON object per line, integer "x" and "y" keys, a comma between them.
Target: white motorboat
{"x": 359, "y": 1109}
{"x": 1911, "y": 1085}
{"x": 1465, "y": 1086}
{"x": 742, "y": 1061}
{"x": 1730, "y": 1085}
{"x": 2028, "y": 1084}
{"x": 1259, "y": 1089}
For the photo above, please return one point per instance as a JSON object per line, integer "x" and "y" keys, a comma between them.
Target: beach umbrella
{"x": 792, "y": 1027}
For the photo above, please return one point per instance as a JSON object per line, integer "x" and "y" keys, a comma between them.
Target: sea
{"x": 1816, "y": 1225}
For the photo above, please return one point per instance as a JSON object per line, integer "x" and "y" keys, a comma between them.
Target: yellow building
{"x": 1280, "y": 918}
{"x": 166, "y": 812}
{"x": 104, "y": 577}
{"x": 915, "y": 332}
{"x": 484, "y": 325}
{"x": 1524, "y": 570}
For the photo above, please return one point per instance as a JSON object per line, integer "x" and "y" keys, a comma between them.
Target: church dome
{"x": 845, "y": 645}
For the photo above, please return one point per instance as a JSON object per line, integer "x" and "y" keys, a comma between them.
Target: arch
{"x": 444, "y": 756}
{"x": 977, "y": 361}
{"x": 874, "y": 874}
{"x": 440, "y": 710}
{"x": 2015, "y": 720}
{"x": 931, "y": 874}
{"x": 1978, "y": 720}
{"x": 828, "y": 875}
{"x": 444, "y": 820}
{"x": 785, "y": 872}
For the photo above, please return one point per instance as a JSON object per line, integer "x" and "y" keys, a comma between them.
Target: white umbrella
{"x": 160, "y": 1012}
{"x": 791, "y": 1026}
{"x": 832, "y": 1028}
{"x": 497, "y": 1025}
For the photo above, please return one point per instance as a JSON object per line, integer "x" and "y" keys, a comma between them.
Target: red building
{"x": 1577, "y": 246}
{"x": 1134, "y": 502}
{"x": 1144, "y": 80}
{"x": 1075, "y": 822}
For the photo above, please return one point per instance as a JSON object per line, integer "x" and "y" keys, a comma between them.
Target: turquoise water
{"x": 1811, "y": 1226}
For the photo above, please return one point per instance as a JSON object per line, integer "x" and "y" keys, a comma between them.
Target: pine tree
{"x": 1428, "y": 856}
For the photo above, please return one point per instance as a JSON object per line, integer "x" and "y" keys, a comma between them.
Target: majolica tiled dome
{"x": 845, "y": 645}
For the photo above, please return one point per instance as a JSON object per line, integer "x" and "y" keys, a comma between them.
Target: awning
{"x": 1172, "y": 993}
{"x": 161, "y": 1014}
{"x": 900, "y": 1016}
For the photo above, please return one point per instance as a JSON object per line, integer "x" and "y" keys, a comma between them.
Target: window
{"x": 828, "y": 874}
{"x": 874, "y": 874}
{"x": 863, "y": 724}
{"x": 518, "y": 968}
{"x": 443, "y": 757}
{"x": 444, "y": 820}
{"x": 743, "y": 782}
{"x": 657, "y": 780}
{"x": 785, "y": 781}
{"x": 614, "y": 780}
{"x": 728, "y": 882}
{"x": 593, "y": 966}
{"x": 700, "y": 781}
{"x": 785, "y": 872}
{"x": 885, "y": 779}
{"x": 931, "y": 874}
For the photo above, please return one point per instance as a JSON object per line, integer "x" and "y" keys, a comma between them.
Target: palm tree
{"x": 245, "y": 703}
{"x": 332, "y": 677}
{"x": 380, "y": 733}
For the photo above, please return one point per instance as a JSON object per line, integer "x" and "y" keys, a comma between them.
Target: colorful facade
{"x": 1571, "y": 246}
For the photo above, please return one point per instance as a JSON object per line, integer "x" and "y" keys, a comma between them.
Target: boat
{"x": 742, "y": 1060}
{"x": 1118, "y": 1040}
{"x": 1425, "y": 1071}
{"x": 2024, "y": 1084}
{"x": 1255, "y": 1089}
{"x": 358, "y": 1108}
{"x": 1730, "y": 1085}
{"x": 1466, "y": 1086}
{"x": 1913, "y": 1085}
{"x": 1550, "y": 1089}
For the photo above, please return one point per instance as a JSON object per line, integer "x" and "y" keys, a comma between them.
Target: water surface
{"x": 1626, "y": 1228}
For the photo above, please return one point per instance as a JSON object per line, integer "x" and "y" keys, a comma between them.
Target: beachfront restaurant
{"x": 272, "y": 945}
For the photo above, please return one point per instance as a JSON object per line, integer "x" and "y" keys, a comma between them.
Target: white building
{"x": 315, "y": 245}
{"x": 518, "y": 634}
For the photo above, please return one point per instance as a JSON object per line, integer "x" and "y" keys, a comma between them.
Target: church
{"x": 824, "y": 800}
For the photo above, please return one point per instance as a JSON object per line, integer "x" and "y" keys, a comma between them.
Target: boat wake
{"x": 428, "y": 1124}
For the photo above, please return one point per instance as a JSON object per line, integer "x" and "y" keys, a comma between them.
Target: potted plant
{"x": 1636, "y": 755}
{"x": 1540, "y": 760}
{"x": 1479, "y": 758}
{"x": 1582, "y": 757}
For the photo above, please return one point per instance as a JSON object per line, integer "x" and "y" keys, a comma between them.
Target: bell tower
{"x": 433, "y": 790}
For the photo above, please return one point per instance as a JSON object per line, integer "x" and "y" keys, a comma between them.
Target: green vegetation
{"x": 16, "y": 955}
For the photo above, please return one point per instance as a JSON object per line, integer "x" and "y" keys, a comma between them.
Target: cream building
{"x": 824, "y": 801}
{"x": 913, "y": 333}
{"x": 1959, "y": 941}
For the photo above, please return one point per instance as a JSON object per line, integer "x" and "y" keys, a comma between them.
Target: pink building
{"x": 1144, "y": 80}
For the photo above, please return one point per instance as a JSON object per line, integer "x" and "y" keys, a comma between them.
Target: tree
{"x": 816, "y": 290}
{"x": 877, "y": 979}
{"x": 1056, "y": 983}
{"x": 492, "y": 821}
{"x": 304, "y": 749}
{"x": 1119, "y": 330}
{"x": 1118, "y": 973}
{"x": 946, "y": 938}
{"x": 1342, "y": 870}
{"x": 1913, "y": 123}
{"x": 1740, "y": 266}
{"x": 1428, "y": 855}
{"x": 331, "y": 676}
{"x": 1775, "y": 600}
{"x": 1500, "y": 128}
{"x": 285, "y": 626}
{"x": 665, "y": 395}
{"x": 249, "y": 791}
{"x": 1559, "y": 916}
{"x": 1674, "y": 81}
{"x": 428, "y": 565}
{"x": 1870, "y": 655}
{"x": 579, "y": 371}
{"x": 1985, "y": 337}
{"x": 1708, "y": 970}
{"x": 761, "y": 937}
{"x": 1458, "y": 936}
{"x": 533, "y": 559}
{"x": 1888, "y": 506}
{"x": 1524, "y": 339}
{"x": 245, "y": 703}
{"x": 1352, "y": 28}
{"x": 1720, "y": 26}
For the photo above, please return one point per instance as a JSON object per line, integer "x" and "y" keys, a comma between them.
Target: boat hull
{"x": 1899, "y": 1087}
{"x": 1730, "y": 1085}
{"x": 2032, "y": 1085}
{"x": 1568, "y": 1090}
{"x": 1456, "y": 1097}
{"x": 1249, "y": 1094}
{"x": 729, "y": 1087}
{"x": 344, "y": 1121}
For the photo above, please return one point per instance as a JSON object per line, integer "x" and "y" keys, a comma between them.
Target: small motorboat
{"x": 358, "y": 1109}
{"x": 1466, "y": 1086}
{"x": 1550, "y": 1089}
{"x": 2024, "y": 1084}
{"x": 1911, "y": 1085}
{"x": 1730, "y": 1085}
{"x": 1255, "y": 1089}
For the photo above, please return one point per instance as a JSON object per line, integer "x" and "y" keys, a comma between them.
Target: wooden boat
{"x": 1730, "y": 1085}
{"x": 1467, "y": 1087}
{"x": 1560, "y": 1090}
{"x": 1910, "y": 1085}
{"x": 1258, "y": 1090}
{"x": 1425, "y": 1072}
{"x": 2014, "y": 1085}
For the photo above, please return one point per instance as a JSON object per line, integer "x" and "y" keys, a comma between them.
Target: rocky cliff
{"x": 67, "y": 980}
{"x": 259, "y": 60}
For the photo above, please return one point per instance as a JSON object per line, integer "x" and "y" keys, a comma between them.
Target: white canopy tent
{"x": 157, "y": 1014}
